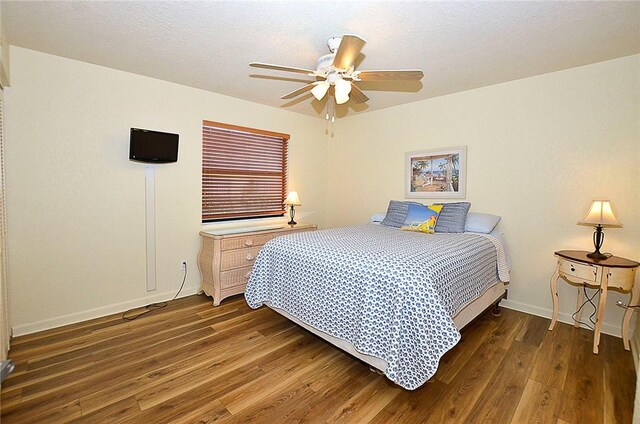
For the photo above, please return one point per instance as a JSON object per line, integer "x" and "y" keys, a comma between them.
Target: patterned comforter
{"x": 388, "y": 292}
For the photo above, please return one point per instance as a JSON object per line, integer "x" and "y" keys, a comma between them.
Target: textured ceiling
{"x": 208, "y": 45}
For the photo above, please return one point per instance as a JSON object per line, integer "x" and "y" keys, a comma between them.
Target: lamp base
{"x": 292, "y": 214}
{"x": 597, "y": 255}
{"x": 598, "y": 239}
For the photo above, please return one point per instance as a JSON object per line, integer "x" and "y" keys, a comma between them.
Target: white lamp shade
{"x": 343, "y": 88}
{"x": 293, "y": 199}
{"x": 320, "y": 89}
{"x": 601, "y": 214}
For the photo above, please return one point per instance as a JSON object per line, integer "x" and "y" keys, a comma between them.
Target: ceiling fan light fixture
{"x": 343, "y": 88}
{"x": 320, "y": 90}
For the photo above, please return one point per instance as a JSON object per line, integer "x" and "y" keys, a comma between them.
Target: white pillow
{"x": 481, "y": 222}
{"x": 377, "y": 217}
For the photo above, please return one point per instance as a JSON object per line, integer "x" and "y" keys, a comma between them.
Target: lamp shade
{"x": 320, "y": 89}
{"x": 600, "y": 214}
{"x": 343, "y": 88}
{"x": 293, "y": 199}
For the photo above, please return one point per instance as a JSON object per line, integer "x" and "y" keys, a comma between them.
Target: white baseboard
{"x": 613, "y": 330}
{"x": 34, "y": 327}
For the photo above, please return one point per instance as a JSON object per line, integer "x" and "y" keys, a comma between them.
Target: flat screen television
{"x": 153, "y": 146}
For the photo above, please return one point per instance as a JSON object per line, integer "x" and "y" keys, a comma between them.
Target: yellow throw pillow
{"x": 428, "y": 225}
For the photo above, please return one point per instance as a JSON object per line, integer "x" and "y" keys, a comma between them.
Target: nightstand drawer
{"x": 621, "y": 278}
{"x": 238, "y": 258}
{"x": 235, "y": 277}
{"x": 246, "y": 241}
{"x": 578, "y": 270}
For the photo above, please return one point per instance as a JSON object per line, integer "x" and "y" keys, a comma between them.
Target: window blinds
{"x": 244, "y": 172}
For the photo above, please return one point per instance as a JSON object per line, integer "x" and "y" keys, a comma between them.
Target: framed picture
{"x": 439, "y": 173}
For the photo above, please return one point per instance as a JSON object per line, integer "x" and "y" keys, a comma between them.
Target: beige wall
{"x": 539, "y": 150}
{"x": 76, "y": 216}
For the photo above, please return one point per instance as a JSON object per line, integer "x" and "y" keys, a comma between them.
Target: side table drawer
{"x": 235, "y": 277}
{"x": 238, "y": 258}
{"x": 578, "y": 270}
{"x": 621, "y": 278}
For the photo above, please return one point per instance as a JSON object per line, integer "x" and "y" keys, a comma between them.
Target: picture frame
{"x": 436, "y": 174}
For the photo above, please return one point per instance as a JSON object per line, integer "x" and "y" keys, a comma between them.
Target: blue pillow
{"x": 453, "y": 217}
{"x": 396, "y": 214}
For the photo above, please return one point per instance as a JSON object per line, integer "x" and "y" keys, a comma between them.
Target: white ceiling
{"x": 208, "y": 45}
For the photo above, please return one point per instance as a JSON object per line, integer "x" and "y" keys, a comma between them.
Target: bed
{"x": 394, "y": 299}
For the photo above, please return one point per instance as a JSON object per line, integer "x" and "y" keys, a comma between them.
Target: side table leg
{"x": 633, "y": 300}
{"x": 579, "y": 302}
{"x": 600, "y": 316}
{"x": 554, "y": 297}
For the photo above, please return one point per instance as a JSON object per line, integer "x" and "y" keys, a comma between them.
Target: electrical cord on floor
{"x": 155, "y": 306}
{"x": 589, "y": 299}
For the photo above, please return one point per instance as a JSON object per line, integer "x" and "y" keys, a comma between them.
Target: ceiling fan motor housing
{"x": 323, "y": 65}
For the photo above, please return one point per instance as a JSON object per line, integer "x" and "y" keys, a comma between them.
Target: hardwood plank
{"x": 619, "y": 380}
{"x": 584, "y": 383}
{"x": 554, "y": 357}
{"x": 114, "y": 413}
{"x": 72, "y": 379}
{"x": 327, "y": 376}
{"x": 472, "y": 337}
{"x": 328, "y": 397}
{"x": 539, "y": 404}
{"x": 10, "y": 397}
{"x": 276, "y": 380}
{"x": 274, "y": 408}
{"x": 508, "y": 333}
{"x": 500, "y": 398}
{"x": 466, "y": 388}
{"x": 53, "y": 414}
{"x": 411, "y": 406}
{"x": 209, "y": 412}
{"x": 201, "y": 357}
{"x": 533, "y": 331}
{"x": 50, "y": 393}
{"x": 209, "y": 370}
{"x": 40, "y": 374}
{"x": 367, "y": 403}
{"x": 199, "y": 400}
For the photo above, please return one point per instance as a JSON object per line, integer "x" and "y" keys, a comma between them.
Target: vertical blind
{"x": 244, "y": 172}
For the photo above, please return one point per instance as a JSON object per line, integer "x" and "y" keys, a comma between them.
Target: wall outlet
{"x": 183, "y": 265}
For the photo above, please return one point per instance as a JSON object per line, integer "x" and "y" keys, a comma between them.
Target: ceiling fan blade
{"x": 349, "y": 49}
{"x": 357, "y": 95}
{"x": 281, "y": 68}
{"x": 405, "y": 75}
{"x": 296, "y": 93}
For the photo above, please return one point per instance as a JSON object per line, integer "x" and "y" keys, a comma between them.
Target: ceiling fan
{"x": 337, "y": 69}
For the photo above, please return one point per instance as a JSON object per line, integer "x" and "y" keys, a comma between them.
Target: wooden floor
{"x": 192, "y": 363}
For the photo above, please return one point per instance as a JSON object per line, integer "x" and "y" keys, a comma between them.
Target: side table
{"x": 616, "y": 273}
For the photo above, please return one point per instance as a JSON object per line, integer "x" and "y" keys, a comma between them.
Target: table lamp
{"x": 600, "y": 215}
{"x": 292, "y": 200}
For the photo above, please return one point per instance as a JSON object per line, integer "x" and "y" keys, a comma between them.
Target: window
{"x": 244, "y": 172}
